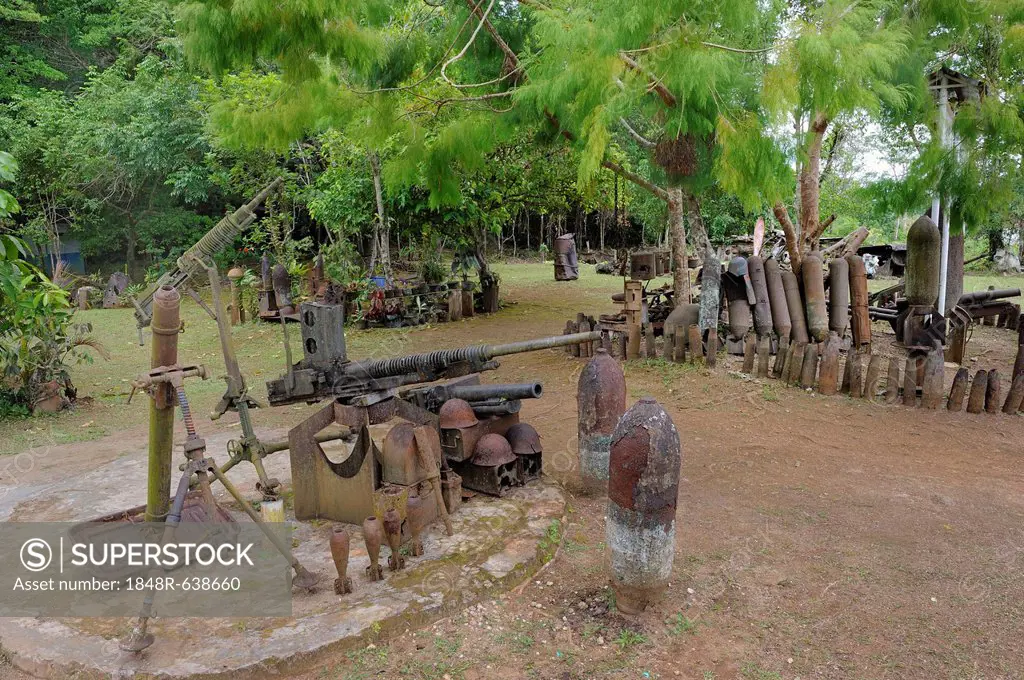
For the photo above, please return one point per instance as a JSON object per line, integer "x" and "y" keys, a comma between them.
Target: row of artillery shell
{"x": 778, "y": 294}
{"x": 809, "y": 364}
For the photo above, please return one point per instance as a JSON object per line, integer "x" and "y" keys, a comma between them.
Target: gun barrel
{"x": 983, "y": 296}
{"x": 432, "y": 361}
{"x": 473, "y": 393}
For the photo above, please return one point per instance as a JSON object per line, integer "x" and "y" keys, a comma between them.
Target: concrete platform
{"x": 498, "y": 543}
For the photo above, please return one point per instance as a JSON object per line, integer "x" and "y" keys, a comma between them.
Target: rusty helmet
{"x": 456, "y": 414}
{"x": 492, "y": 450}
{"x": 523, "y": 439}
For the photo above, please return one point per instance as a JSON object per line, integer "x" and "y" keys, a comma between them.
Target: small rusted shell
{"x": 601, "y": 401}
{"x": 523, "y": 439}
{"x": 235, "y": 273}
{"x": 492, "y": 450}
{"x": 456, "y": 414}
{"x": 643, "y": 488}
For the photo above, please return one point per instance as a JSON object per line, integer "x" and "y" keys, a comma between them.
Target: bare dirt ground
{"x": 817, "y": 537}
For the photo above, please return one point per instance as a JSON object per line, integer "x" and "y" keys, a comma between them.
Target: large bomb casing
{"x": 735, "y": 286}
{"x": 762, "y": 308}
{"x": 814, "y": 292}
{"x": 643, "y": 486}
{"x": 710, "y": 291}
{"x": 601, "y": 400}
{"x": 860, "y": 322}
{"x": 777, "y": 298}
{"x": 795, "y": 304}
{"x": 922, "y": 276}
{"x": 838, "y": 296}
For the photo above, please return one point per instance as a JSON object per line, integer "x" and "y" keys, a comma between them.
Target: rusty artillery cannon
{"x": 425, "y": 440}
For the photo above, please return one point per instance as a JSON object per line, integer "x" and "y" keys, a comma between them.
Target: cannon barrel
{"x": 983, "y": 296}
{"x": 432, "y": 361}
{"x": 473, "y": 393}
{"x": 215, "y": 240}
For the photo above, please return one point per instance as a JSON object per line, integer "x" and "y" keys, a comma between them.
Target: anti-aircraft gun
{"x": 192, "y": 264}
{"x": 454, "y": 434}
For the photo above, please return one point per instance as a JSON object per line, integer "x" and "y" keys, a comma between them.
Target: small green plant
{"x": 769, "y": 393}
{"x": 679, "y": 624}
{"x": 629, "y": 638}
{"x": 752, "y": 671}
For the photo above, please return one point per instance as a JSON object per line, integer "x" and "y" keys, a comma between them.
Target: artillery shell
{"x": 860, "y": 322}
{"x": 696, "y": 345}
{"x": 992, "y": 391}
{"x": 780, "y": 357}
{"x": 1018, "y": 364}
{"x": 892, "y": 381}
{"x": 976, "y": 401}
{"x": 955, "y": 402}
{"x": 569, "y": 330}
{"x": 787, "y": 363}
{"x": 585, "y": 347}
{"x": 643, "y": 487}
{"x": 621, "y": 342}
{"x": 712, "y": 353}
{"x": 838, "y": 296}
{"x": 934, "y": 372}
{"x": 795, "y": 304}
{"x": 777, "y": 297}
{"x": 668, "y": 345}
{"x": 749, "y": 345}
{"x": 679, "y": 340}
{"x": 910, "y": 382}
{"x": 710, "y": 291}
{"x": 633, "y": 347}
{"x": 649, "y": 351}
{"x": 796, "y": 364}
{"x": 601, "y": 401}
{"x": 606, "y": 341}
{"x": 1015, "y": 397}
{"x": 762, "y": 307}
{"x": 814, "y": 291}
{"x": 922, "y": 272}
{"x": 828, "y": 374}
{"x": 873, "y": 377}
{"x": 810, "y": 366}
{"x": 764, "y": 349}
{"x": 856, "y": 374}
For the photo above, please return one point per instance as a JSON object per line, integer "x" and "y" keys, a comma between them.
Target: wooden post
{"x": 749, "y": 344}
{"x": 712, "y": 353}
{"x": 764, "y": 350}
{"x": 910, "y": 382}
{"x": 873, "y": 377}
{"x": 934, "y": 372}
{"x": 810, "y": 366}
{"x": 696, "y": 346}
{"x": 780, "y": 357}
{"x": 633, "y": 345}
{"x": 649, "y": 351}
{"x": 892, "y": 381}
{"x": 857, "y": 374}
{"x": 796, "y": 364}
{"x": 828, "y": 374}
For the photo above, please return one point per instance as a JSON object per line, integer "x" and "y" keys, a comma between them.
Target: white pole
{"x": 944, "y": 226}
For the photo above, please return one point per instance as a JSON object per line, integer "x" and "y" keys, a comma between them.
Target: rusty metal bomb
{"x": 456, "y": 414}
{"x": 795, "y": 305}
{"x": 643, "y": 488}
{"x": 923, "y": 250}
{"x": 777, "y": 297}
{"x": 814, "y": 290}
{"x": 601, "y": 401}
{"x": 762, "y": 308}
{"x": 838, "y": 296}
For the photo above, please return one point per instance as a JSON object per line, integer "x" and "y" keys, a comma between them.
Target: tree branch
{"x": 637, "y": 137}
{"x": 663, "y": 92}
{"x": 792, "y": 240}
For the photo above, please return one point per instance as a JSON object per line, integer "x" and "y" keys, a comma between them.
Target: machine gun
{"x": 485, "y": 400}
{"x": 191, "y": 264}
{"x": 325, "y": 371}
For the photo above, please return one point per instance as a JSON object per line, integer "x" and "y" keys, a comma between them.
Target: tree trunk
{"x": 380, "y": 253}
{"x": 810, "y": 191}
{"x": 681, "y": 274}
{"x": 130, "y": 248}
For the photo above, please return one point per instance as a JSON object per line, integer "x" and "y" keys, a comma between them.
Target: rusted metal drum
{"x": 795, "y": 304}
{"x": 762, "y": 307}
{"x": 601, "y": 400}
{"x": 566, "y": 263}
{"x": 838, "y": 296}
{"x": 814, "y": 292}
{"x": 643, "y": 486}
{"x": 922, "y": 276}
